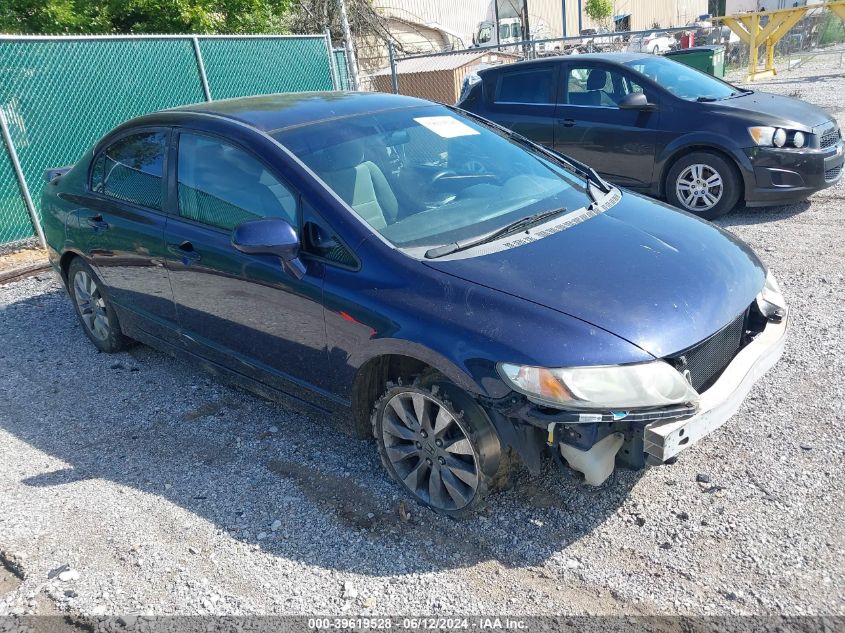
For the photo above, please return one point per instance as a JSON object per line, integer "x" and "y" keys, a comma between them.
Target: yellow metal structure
{"x": 748, "y": 28}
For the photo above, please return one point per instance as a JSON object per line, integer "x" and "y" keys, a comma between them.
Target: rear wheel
{"x": 438, "y": 444}
{"x": 703, "y": 183}
{"x": 96, "y": 314}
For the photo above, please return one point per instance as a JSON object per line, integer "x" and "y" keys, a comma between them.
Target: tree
{"x": 315, "y": 16}
{"x": 599, "y": 10}
{"x": 48, "y": 16}
{"x": 370, "y": 30}
{"x": 144, "y": 16}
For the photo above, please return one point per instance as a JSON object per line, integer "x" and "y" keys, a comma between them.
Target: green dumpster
{"x": 709, "y": 59}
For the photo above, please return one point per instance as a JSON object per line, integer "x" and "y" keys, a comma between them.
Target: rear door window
{"x": 532, "y": 85}
{"x": 131, "y": 169}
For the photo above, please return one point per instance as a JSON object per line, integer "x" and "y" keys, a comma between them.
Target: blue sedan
{"x": 449, "y": 287}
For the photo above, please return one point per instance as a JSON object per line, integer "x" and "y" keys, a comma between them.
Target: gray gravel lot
{"x": 169, "y": 492}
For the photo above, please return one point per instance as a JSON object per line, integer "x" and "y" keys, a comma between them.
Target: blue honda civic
{"x": 447, "y": 286}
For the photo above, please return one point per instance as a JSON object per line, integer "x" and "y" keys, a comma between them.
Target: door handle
{"x": 97, "y": 223}
{"x": 184, "y": 251}
{"x": 568, "y": 122}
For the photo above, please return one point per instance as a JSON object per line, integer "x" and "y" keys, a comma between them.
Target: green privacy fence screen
{"x": 344, "y": 82}
{"x": 58, "y": 95}
{"x": 238, "y": 67}
{"x": 14, "y": 219}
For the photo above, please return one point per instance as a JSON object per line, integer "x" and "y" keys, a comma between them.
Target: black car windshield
{"x": 426, "y": 176}
{"x": 682, "y": 81}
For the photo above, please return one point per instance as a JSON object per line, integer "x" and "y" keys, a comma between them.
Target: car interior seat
{"x": 596, "y": 81}
{"x": 359, "y": 182}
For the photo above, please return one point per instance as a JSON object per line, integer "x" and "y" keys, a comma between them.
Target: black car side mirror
{"x": 270, "y": 236}
{"x": 636, "y": 101}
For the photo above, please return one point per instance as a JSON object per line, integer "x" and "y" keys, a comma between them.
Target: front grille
{"x": 830, "y": 138}
{"x": 707, "y": 360}
{"x": 833, "y": 174}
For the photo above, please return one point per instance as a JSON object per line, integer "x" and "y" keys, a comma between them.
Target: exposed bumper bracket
{"x": 664, "y": 440}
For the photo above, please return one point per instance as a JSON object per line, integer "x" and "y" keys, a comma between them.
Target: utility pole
{"x": 496, "y": 22}
{"x": 351, "y": 60}
{"x": 527, "y": 48}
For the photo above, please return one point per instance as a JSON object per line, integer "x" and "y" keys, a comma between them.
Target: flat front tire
{"x": 704, "y": 184}
{"x": 437, "y": 444}
{"x": 93, "y": 308}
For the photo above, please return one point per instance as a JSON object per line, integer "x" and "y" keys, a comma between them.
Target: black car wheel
{"x": 438, "y": 444}
{"x": 703, "y": 183}
{"x": 93, "y": 308}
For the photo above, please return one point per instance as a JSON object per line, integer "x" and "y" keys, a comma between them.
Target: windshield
{"x": 484, "y": 34}
{"x": 682, "y": 81}
{"x": 427, "y": 176}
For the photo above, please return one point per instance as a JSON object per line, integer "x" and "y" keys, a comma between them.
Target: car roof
{"x": 270, "y": 113}
{"x": 614, "y": 58}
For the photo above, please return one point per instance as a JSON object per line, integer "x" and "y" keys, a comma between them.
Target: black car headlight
{"x": 604, "y": 387}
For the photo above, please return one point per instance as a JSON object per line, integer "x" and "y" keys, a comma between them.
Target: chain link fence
{"x": 344, "y": 79}
{"x": 15, "y": 225}
{"x": 58, "y": 95}
{"x": 442, "y": 76}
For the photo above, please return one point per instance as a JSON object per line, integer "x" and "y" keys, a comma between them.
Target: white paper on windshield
{"x": 446, "y": 126}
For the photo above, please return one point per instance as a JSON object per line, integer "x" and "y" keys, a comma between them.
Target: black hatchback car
{"x": 438, "y": 282}
{"x": 662, "y": 128}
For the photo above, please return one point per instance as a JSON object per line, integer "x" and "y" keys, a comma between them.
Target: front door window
{"x": 596, "y": 86}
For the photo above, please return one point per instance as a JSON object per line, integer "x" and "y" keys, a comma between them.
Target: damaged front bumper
{"x": 593, "y": 443}
{"x": 663, "y": 439}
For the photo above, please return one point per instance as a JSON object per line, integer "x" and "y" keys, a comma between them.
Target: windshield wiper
{"x": 737, "y": 93}
{"x": 585, "y": 171}
{"x": 529, "y": 220}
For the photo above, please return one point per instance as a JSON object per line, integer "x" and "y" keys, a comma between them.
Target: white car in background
{"x": 653, "y": 42}
{"x": 597, "y": 39}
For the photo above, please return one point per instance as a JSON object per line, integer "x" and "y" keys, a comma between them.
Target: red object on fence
{"x": 688, "y": 40}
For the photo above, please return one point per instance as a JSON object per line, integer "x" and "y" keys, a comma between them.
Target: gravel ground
{"x": 164, "y": 491}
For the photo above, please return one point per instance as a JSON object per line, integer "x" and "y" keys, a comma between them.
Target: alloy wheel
{"x": 91, "y": 304}
{"x": 699, "y": 187}
{"x": 429, "y": 450}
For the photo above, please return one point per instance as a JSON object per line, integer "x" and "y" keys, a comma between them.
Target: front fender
{"x": 400, "y": 347}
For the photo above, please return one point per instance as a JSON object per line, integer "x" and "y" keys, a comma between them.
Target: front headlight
{"x": 770, "y": 301}
{"x": 605, "y": 387}
{"x": 762, "y": 135}
{"x": 776, "y": 137}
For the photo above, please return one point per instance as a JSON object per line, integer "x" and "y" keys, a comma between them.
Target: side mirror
{"x": 270, "y": 236}
{"x": 636, "y": 101}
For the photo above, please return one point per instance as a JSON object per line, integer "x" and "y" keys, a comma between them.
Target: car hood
{"x": 658, "y": 277}
{"x": 781, "y": 110}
